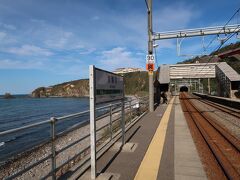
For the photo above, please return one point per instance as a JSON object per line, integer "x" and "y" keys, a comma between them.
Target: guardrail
{"x": 106, "y": 131}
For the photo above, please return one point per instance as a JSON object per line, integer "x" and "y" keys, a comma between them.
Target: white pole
{"x": 123, "y": 116}
{"x": 92, "y": 121}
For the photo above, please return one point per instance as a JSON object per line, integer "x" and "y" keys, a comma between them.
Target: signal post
{"x": 150, "y": 57}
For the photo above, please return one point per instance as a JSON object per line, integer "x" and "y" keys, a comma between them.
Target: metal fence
{"x": 107, "y": 133}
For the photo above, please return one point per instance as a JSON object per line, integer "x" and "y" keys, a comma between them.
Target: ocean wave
{"x": 11, "y": 139}
{"x": 2, "y": 144}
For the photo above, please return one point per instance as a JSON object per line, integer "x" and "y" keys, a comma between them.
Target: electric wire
{"x": 217, "y": 49}
{"x": 147, "y": 5}
{"x": 238, "y": 10}
{"x": 224, "y": 41}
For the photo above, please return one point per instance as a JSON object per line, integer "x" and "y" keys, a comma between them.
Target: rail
{"x": 108, "y": 130}
{"x": 211, "y": 131}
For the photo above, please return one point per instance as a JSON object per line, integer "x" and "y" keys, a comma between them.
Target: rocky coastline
{"x": 79, "y": 88}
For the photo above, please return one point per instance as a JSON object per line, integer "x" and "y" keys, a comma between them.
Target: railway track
{"x": 220, "y": 146}
{"x": 232, "y": 112}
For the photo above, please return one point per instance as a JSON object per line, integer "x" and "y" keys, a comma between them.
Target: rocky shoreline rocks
{"x": 8, "y": 96}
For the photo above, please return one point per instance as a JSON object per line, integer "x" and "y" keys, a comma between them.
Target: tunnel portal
{"x": 184, "y": 89}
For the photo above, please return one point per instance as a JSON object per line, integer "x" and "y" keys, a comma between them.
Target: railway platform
{"x": 159, "y": 146}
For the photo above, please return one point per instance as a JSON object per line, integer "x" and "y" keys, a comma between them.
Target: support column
{"x": 198, "y": 85}
{"x": 175, "y": 87}
{"x": 190, "y": 85}
{"x": 230, "y": 88}
{"x": 209, "y": 86}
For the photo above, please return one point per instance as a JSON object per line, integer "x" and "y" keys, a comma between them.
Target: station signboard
{"x": 108, "y": 86}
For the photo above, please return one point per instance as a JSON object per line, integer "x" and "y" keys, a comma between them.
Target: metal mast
{"x": 150, "y": 52}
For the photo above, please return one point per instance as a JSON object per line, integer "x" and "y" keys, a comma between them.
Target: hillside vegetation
{"x": 136, "y": 83}
{"x": 78, "y": 88}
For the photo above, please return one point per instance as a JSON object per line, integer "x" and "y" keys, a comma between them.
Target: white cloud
{"x": 174, "y": 17}
{"x": 166, "y": 44}
{"x": 16, "y": 64}
{"x": 95, "y": 18}
{"x": 59, "y": 39}
{"x": 77, "y": 70}
{"x": 70, "y": 39}
{"x": 87, "y": 51}
{"x": 6, "y": 39}
{"x": 8, "y": 26}
{"x": 130, "y": 29}
{"x": 119, "y": 57}
{"x": 38, "y": 21}
{"x": 29, "y": 50}
{"x": 54, "y": 36}
{"x": 140, "y": 54}
{"x": 2, "y": 35}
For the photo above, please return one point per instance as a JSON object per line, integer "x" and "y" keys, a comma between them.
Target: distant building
{"x": 127, "y": 70}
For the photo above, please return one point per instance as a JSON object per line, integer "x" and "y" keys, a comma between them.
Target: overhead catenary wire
{"x": 223, "y": 41}
{"x": 236, "y": 12}
{"x": 147, "y": 5}
{"x": 229, "y": 37}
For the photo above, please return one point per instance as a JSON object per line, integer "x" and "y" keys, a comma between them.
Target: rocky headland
{"x": 78, "y": 88}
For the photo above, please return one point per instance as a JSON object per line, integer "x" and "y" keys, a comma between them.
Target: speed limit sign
{"x": 150, "y": 59}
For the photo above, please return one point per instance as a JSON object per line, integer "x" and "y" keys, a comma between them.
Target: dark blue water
{"x": 24, "y": 110}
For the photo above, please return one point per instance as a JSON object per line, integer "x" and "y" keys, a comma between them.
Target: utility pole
{"x": 150, "y": 52}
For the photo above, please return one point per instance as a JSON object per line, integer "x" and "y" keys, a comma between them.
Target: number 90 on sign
{"x": 150, "y": 59}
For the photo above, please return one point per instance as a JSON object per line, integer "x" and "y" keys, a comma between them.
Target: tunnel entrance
{"x": 184, "y": 89}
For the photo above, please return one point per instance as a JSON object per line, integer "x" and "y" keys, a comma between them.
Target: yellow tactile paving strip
{"x": 151, "y": 162}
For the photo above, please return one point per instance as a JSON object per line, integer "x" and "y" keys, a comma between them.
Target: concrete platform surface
{"x": 187, "y": 164}
{"x": 169, "y": 130}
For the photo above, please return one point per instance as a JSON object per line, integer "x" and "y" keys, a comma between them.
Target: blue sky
{"x": 45, "y": 42}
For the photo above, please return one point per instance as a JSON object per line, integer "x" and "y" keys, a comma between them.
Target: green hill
{"x": 136, "y": 83}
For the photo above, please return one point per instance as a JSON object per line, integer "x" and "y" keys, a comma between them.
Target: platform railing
{"x": 108, "y": 131}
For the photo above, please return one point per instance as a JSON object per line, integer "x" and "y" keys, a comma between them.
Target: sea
{"x": 24, "y": 110}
